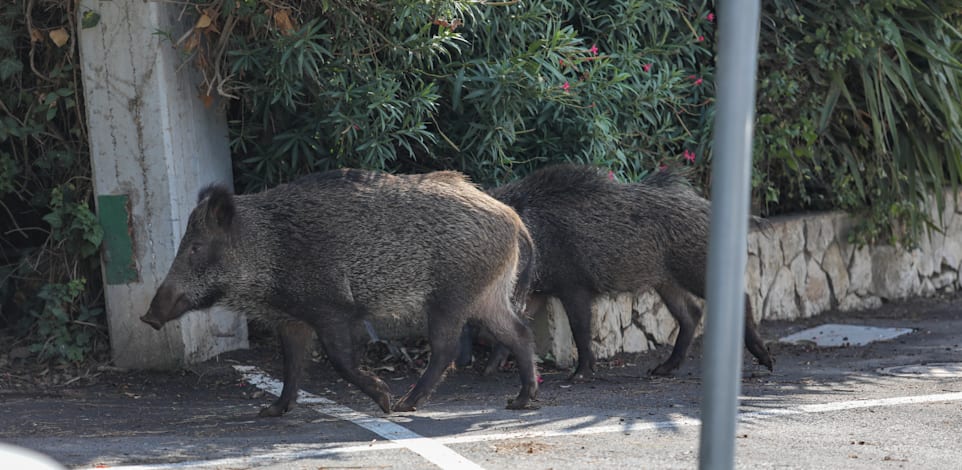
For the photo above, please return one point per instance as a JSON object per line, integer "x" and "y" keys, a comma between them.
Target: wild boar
{"x": 328, "y": 250}
{"x": 594, "y": 235}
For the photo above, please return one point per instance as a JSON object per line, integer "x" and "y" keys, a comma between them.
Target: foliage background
{"x": 858, "y": 109}
{"x": 492, "y": 90}
{"x": 50, "y": 304}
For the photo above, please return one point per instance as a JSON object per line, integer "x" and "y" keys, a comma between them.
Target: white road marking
{"x": 685, "y": 421}
{"x": 428, "y": 448}
{"x": 399, "y": 441}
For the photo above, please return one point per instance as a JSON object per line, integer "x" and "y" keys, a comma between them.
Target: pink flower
{"x": 561, "y": 62}
{"x": 646, "y": 67}
{"x": 540, "y": 379}
{"x": 611, "y": 175}
{"x": 565, "y": 87}
{"x": 688, "y": 155}
{"x": 698, "y": 82}
{"x": 710, "y": 17}
{"x": 692, "y": 77}
{"x": 662, "y": 167}
{"x": 701, "y": 38}
{"x": 593, "y": 50}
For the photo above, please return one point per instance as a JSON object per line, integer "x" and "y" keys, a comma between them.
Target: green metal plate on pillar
{"x": 118, "y": 259}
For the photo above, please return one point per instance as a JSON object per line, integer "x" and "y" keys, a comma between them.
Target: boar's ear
{"x": 220, "y": 205}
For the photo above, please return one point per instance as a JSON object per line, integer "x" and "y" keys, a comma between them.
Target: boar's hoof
{"x": 498, "y": 361}
{"x": 581, "y": 376}
{"x": 521, "y": 403}
{"x": 384, "y": 401}
{"x": 273, "y": 411}
{"x": 494, "y": 366}
{"x": 768, "y": 362}
{"x": 404, "y": 407}
{"x": 663, "y": 370}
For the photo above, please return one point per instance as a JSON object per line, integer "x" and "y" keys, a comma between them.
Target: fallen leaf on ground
{"x": 59, "y": 36}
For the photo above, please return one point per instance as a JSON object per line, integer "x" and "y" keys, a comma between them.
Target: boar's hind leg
{"x": 338, "y": 342}
{"x": 687, "y": 315}
{"x": 511, "y": 334}
{"x": 754, "y": 342}
{"x": 295, "y": 339}
{"x": 499, "y": 352}
{"x": 443, "y": 329}
{"x": 577, "y": 304}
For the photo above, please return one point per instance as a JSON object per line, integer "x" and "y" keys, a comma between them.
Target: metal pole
{"x": 738, "y": 24}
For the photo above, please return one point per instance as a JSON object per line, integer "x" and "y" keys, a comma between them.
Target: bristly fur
{"x": 212, "y": 188}
{"x": 595, "y": 236}
{"x": 667, "y": 178}
{"x": 330, "y": 249}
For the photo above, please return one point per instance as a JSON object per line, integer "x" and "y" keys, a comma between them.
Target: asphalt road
{"x": 822, "y": 408}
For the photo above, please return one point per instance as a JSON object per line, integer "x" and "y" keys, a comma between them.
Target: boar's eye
{"x": 195, "y": 249}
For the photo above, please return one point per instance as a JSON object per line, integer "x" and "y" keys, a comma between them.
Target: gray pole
{"x": 727, "y": 250}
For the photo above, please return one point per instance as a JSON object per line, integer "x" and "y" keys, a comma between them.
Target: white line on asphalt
{"x": 273, "y": 386}
{"x": 684, "y": 421}
{"x": 851, "y": 405}
{"x": 430, "y": 449}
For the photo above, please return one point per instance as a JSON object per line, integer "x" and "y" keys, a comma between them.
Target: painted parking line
{"x": 436, "y": 447}
{"x": 682, "y": 421}
{"x": 430, "y": 449}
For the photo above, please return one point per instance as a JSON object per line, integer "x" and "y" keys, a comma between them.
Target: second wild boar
{"x": 594, "y": 236}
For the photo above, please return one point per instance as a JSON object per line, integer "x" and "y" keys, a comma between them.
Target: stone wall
{"x": 798, "y": 266}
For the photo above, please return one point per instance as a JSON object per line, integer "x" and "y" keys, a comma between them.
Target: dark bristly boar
{"x": 594, "y": 235}
{"x": 324, "y": 252}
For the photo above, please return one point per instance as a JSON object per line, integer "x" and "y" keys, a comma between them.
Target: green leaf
{"x": 9, "y": 67}
{"x": 54, "y": 219}
{"x": 89, "y": 19}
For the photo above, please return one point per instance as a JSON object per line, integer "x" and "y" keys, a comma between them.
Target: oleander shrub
{"x": 492, "y": 89}
{"x": 859, "y": 109}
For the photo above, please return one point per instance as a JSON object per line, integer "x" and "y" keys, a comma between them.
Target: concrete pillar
{"x": 153, "y": 145}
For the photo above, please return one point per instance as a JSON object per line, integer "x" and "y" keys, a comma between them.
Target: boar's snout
{"x": 168, "y": 304}
{"x": 153, "y": 322}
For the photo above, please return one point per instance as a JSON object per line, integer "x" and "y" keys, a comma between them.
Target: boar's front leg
{"x": 338, "y": 341}
{"x": 295, "y": 339}
{"x": 442, "y": 337}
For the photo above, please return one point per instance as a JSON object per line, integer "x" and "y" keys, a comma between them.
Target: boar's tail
{"x": 526, "y": 269}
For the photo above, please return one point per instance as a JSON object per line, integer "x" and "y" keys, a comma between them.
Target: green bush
{"x": 490, "y": 89}
{"x": 49, "y": 237}
{"x": 859, "y": 109}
